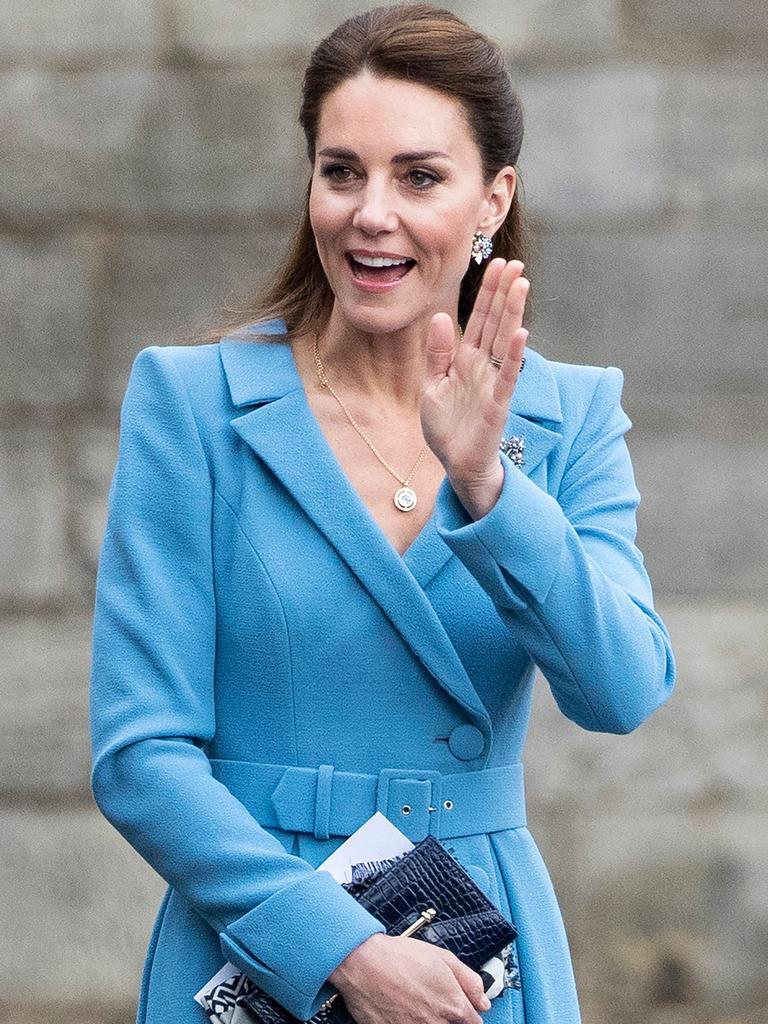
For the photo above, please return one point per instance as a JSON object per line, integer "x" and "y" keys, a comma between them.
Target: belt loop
{"x": 435, "y": 808}
{"x": 323, "y": 801}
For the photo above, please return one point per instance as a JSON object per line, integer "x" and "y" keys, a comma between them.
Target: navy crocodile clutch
{"x": 425, "y": 893}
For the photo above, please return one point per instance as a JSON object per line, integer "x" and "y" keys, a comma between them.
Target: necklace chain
{"x": 327, "y": 384}
{"x": 324, "y": 382}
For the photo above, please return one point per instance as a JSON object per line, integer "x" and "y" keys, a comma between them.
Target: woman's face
{"x": 397, "y": 175}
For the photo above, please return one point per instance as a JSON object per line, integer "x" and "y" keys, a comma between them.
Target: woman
{"x": 339, "y": 543}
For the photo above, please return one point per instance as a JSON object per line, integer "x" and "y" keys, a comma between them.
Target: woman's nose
{"x": 375, "y": 210}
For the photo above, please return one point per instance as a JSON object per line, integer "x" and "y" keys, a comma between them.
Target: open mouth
{"x": 383, "y": 271}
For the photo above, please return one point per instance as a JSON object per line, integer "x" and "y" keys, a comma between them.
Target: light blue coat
{"x": 254, "y": 626}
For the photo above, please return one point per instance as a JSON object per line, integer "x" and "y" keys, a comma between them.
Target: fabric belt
{"x": 326, "y": 802}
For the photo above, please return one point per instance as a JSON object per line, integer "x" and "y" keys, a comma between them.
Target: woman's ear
{"x": 498, "y": 200}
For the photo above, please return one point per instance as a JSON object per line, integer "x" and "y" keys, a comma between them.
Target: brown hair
{"x": 418, "y": 43}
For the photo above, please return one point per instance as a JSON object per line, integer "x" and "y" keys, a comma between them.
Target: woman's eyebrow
{"x": 399, "y": 158}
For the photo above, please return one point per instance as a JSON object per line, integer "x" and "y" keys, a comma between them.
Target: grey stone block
{"x": 51, "y": 288}
{"x": 701, "y": 522}
{"x": 654, "y": 839}
{"x": 76, "y": 910}
{"x": 37, "y": 566}
{"x": 216, "y": 30}
{"x": 223, "y": 30}
{"x": 173, "y": 285}
{"x": 54, "y": 1012}
{"x": 555, "y": 27}
{"x": 592, "y": 146}
{"x": 673, "y": 918}
{"x": 711, "y": 28}
{"x": 724, "y": 413}
{"x": 44, "y": 741}
{"x": 64, "y": 134}
{"x": 215, "y": 144}
{"x": 140, "y": 143}
{"x": 77, "y": 29}
{"x": 678, "y": 309}
{"x": 716, "y": 142}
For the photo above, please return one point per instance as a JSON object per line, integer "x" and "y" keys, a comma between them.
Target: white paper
{"x": 376, "y": 839}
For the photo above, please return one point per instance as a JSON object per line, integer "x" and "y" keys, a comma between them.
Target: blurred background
{"x": 151, "y": 169}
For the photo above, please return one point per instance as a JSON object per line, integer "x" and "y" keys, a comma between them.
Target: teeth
{"x": 378, "y": 261}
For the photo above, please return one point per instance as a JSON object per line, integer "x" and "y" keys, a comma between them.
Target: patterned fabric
{"x": 223, "y": 1005}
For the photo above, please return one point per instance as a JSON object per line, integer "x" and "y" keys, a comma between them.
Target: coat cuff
{"x": 290, "y": 943}
{"x": 517, "y": 544}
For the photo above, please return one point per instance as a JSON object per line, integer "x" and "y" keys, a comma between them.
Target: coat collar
{"x": 262, "y": 371}
{"x": 278, "y": 425}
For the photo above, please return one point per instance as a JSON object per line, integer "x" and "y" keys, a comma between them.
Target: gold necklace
{"x": 405, "y": 496}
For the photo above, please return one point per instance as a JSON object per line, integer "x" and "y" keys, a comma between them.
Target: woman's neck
{"x": 386, "y": 370}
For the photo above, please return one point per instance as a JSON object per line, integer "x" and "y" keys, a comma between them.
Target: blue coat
{"x": 268, "y": 671}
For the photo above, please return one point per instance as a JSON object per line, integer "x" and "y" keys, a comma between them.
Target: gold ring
{"x": 495, "y": 360}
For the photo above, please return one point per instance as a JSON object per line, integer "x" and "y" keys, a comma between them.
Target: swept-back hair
{"x": 415, "y": 43}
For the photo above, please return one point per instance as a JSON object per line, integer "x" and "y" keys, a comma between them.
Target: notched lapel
{"x": 283, "y": 432}
{"x": 280, "y": 428}
{"x": 285, "y": 435}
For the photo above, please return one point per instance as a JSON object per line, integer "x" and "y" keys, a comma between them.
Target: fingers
{"x": 510, "y": 337}
{"x": 508, "y": 277}
{"x": 472, "y": 985}
{"x": 509, "y": 371}
{"x": 513, "y": 309}
{"x": 440, "y": 344}
{"x": 482, "y": 305}
{"x": 506, "y": 312}
{"x": 410, "y": 981}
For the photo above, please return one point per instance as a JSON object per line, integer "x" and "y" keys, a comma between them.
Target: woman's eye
{"x": 423, "y": 179}
{"x": 341, "y": 174}
{"x": 336, "y": 172}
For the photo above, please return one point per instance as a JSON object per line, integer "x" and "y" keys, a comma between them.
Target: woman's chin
{"x": 383, "y": 318}
{"x": 377, "y": 321}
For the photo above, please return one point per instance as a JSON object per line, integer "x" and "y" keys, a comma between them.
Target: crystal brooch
{"x": 514, "y": 448}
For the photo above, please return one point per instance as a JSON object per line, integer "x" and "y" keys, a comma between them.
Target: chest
{"x": 325, "y": 637}
{"x": 399, "y": 443}
{"x": 311, "y": 597}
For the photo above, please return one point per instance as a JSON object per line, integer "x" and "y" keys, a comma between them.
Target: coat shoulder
{"x": 585, "y": 390}
{"x": 575, "y": 379}
{"x": 195, "y": 370}
{"x": 187, "y": 360}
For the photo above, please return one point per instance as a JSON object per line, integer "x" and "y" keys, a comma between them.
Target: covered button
{"x": 466, "y": 742}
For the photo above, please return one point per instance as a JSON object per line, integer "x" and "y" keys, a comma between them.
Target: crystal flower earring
{"x": 482, "y": 247}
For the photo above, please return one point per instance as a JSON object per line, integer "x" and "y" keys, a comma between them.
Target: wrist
{"x": 480, "y": 495}
{"x": 356, "y": 960}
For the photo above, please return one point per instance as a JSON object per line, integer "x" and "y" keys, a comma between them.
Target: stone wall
{"x": 150, "y": 170}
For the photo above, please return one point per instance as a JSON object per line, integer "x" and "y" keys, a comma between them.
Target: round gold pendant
{"x": 405, "y": 499}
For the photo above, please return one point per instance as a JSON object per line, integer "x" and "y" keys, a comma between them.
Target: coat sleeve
{"x": 284, "y": 924}
{"x": 565, "y": 573}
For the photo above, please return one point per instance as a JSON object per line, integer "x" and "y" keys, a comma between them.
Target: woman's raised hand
{"x": 391, "y": 979}
{"x": 465, "y": 398}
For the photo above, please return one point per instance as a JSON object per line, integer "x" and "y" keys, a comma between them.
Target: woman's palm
{"x": 465, "y": 398}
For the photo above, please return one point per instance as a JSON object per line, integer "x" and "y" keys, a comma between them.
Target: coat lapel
{"x": 279, "y": 426}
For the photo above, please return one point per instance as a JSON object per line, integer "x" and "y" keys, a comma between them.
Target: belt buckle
{"x": 411, "y": 800}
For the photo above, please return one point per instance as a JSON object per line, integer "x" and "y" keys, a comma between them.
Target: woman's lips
{"x": 378, "y": 278}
